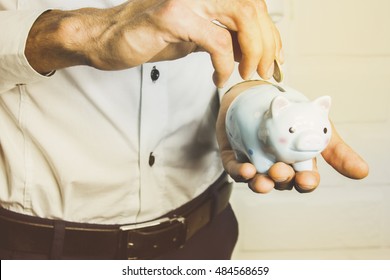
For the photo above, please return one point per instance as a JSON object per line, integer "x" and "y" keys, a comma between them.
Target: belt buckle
{"x": 150, "y": 239}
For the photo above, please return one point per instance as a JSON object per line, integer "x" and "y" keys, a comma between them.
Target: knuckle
{"x": 257, "y": 52}
{"x": 261, "y": 6}
{"x": 223, "y": 42}
{"x": 166, "y": 16}
{"x": 170, "y": 9}
{"x": 247, "y": 9}
{"x": 251, "y": 8}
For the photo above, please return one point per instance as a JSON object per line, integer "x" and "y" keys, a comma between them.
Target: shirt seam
{"x": 26, "y": 151}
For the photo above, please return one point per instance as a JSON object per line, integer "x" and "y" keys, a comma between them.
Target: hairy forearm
{"x": 60, "y": 39}
{"x": 48, "y": 46}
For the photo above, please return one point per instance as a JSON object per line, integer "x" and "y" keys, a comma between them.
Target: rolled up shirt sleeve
{"x": 14, "y": 66}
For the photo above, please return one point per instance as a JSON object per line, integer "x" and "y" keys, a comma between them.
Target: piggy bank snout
{"x": 309, "y": 141}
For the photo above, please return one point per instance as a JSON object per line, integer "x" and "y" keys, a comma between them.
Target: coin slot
{"x": 279, "y": 88}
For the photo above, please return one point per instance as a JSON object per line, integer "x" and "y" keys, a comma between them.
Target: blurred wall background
{"x": 339, "y": 48}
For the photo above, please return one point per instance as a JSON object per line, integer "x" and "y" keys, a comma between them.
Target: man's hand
{"x": 282, "y": 176}
{"x": 142, "y": 31}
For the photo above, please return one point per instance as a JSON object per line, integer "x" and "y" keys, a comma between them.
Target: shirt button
{"x": 154, "y": 74}
{"x": 152, "y": 159}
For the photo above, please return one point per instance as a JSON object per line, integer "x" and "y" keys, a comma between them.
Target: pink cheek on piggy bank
{"x": 283, "y": 141}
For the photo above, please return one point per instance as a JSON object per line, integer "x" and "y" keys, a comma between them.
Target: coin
{"x": 278, "y": 74}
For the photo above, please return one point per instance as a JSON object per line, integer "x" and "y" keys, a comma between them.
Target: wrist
{"x": 59, "y": 39}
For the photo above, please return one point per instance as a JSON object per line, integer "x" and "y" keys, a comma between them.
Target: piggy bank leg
{"x": 306, "y": 165}
{"x": 261, "y": 163}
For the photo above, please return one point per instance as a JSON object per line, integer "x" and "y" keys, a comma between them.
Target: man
{"x": 124, "y": 163}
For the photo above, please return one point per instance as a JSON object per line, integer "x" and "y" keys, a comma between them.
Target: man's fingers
{"x": 344, "y": 159}
{"x": 265, "y": 67}
{"x": 246, "y": 172}
{"x": 183, "y": 27}
{"x": 278, "y": 45}
{"x": 256, "y": 41}
{"x": 286, "y": 178}
{"x": 283, "y": 176}
{"x": 307, "y": 181}
{"x": 240, "y": 172}
{"x": 217, "y": 41}
{"x": 261, "y": 184}
{"x": 250, "y": 40}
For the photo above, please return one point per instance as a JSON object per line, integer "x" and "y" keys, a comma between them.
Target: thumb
{"x": 344, "y": 159}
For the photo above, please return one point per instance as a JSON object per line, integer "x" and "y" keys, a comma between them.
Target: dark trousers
{"x": 214, "y": 241}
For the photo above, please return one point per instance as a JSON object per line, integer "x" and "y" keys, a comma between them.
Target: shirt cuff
{"x": 14, "y": 66}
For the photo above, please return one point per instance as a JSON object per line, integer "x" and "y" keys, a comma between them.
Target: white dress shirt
{"x": 97, "y": 146}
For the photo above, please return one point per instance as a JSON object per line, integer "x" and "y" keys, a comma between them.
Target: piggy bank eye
{"x": 325, "y": 130}
{"x": 291, "y": 130}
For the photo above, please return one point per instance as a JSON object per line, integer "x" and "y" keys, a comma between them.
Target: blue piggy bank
{"x": 267, "y": 124}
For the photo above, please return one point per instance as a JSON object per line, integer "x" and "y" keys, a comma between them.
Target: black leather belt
{"x": 68, "y": 240}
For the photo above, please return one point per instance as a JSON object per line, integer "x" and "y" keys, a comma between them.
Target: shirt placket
{"x": 153, "y": 117}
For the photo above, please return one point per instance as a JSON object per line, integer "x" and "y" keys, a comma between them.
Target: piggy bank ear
{"x": 278, "y": 104}
{"x": 323, "y": 102}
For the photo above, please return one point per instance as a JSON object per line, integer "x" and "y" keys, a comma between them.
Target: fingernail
{"x": 216, "y": 80}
